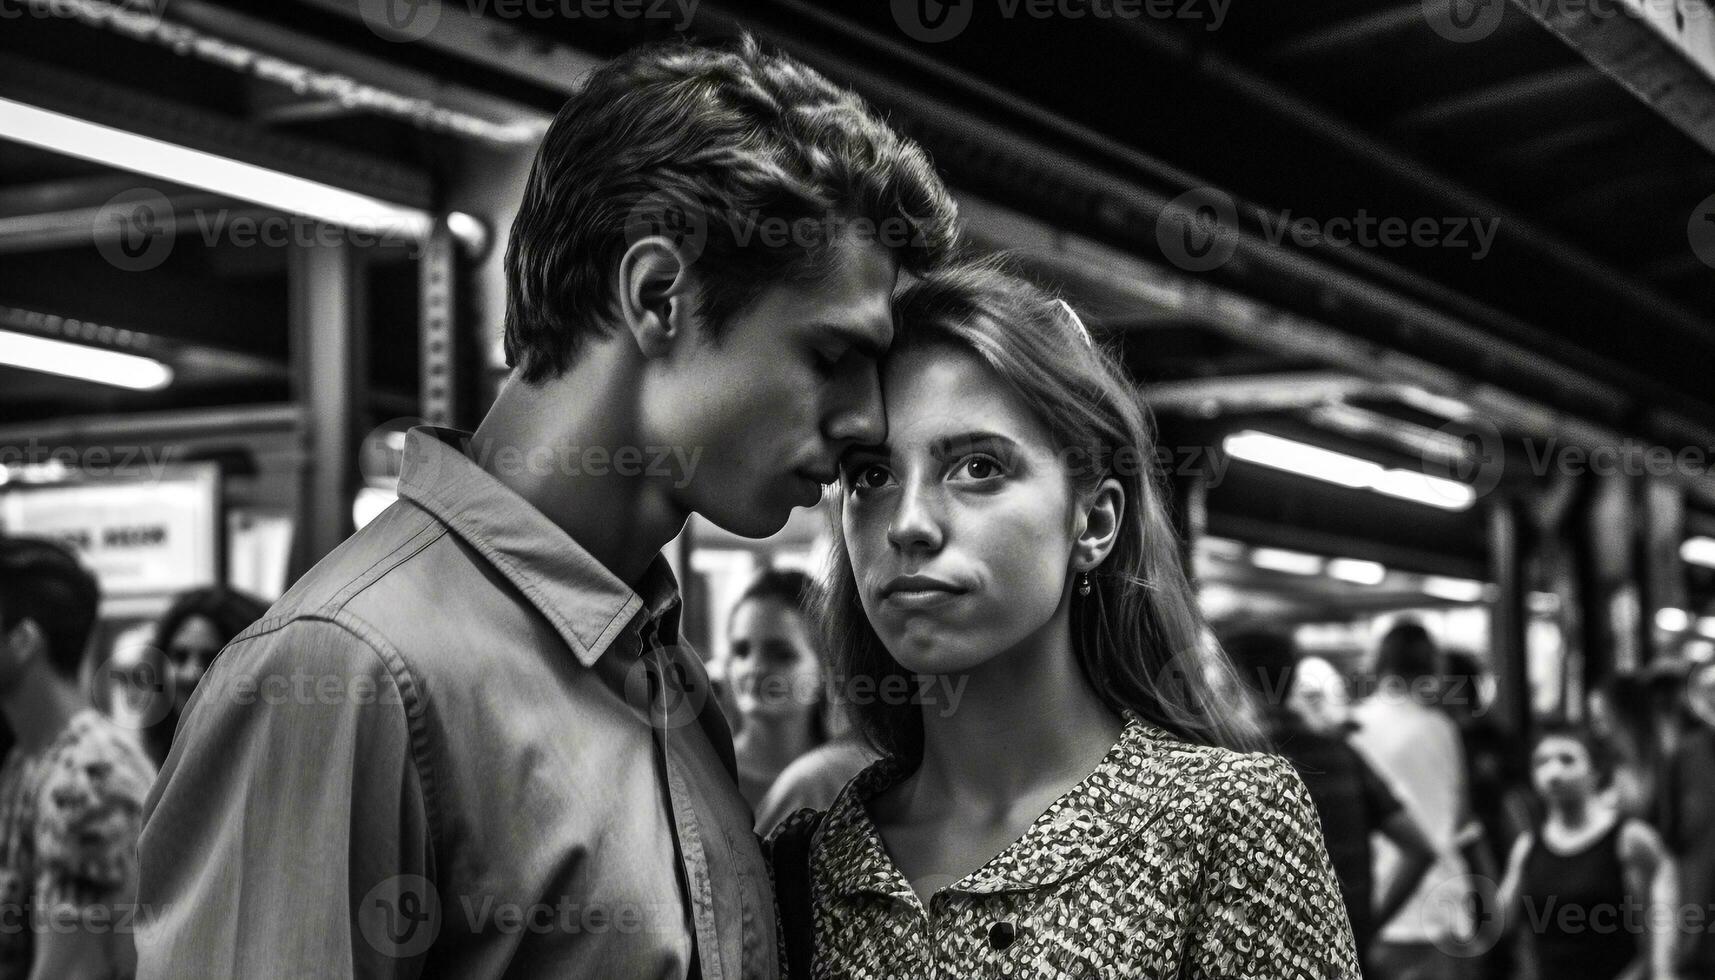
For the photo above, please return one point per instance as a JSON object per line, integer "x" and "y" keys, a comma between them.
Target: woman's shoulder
{"x": 1214, "y": 787}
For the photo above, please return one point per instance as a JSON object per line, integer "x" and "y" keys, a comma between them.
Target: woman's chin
{"x": 933, "y": 652}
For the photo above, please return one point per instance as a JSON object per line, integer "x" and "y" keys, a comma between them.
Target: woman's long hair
{"x": 1138, "y": 637}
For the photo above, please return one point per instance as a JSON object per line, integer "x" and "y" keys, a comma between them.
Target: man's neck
{"x": 538, "y": 440}
{"x": 40, "y": 706}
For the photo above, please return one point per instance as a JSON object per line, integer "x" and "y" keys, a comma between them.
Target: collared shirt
{"x": 1169, "y": 857}
{"x": 458, "y": 747}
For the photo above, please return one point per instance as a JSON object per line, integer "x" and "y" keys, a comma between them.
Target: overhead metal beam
{"x": 1660, "y": 55}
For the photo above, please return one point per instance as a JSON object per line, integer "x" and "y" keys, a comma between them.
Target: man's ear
{"x": 1101, "y": 526}
{"x": 22, "y": 643}
{"x": 655, "y": 293}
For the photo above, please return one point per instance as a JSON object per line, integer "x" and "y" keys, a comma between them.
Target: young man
{"x": 71, "y": 789}
{"x": 468, "y": 743}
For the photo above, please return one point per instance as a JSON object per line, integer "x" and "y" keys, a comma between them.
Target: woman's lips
{"x": 921, "y": 597}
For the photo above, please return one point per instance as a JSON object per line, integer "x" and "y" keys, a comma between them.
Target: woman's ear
{"x": 1101, "y": 526}
{"x": 654, "y": 293}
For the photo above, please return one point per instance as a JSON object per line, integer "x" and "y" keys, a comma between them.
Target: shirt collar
{"x": 587, "y": 604}
{"x": 1103, "y": 811}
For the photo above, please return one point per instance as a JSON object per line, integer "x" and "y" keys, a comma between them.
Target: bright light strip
{"x": 1338, "y": 468}
{"x": 1453, "y": 589}
{"x": 108, "y": 367}
{"x": 1706, "y": 626}
{"x": 1672, "y": 620}
{"x": 1425, "y": 489}
{"x": 1356, "y": 571}
{"x": 1302, "y": 458}
{"x": 183, "y": 165}
{"x": 1290, "y": 562}
{"x": 1699, "y": 551}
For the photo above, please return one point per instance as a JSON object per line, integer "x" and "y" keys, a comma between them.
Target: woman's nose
{"x": 916, "y": 523}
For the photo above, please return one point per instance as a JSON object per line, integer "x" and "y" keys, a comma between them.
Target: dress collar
{"x": 1104, "y": 810}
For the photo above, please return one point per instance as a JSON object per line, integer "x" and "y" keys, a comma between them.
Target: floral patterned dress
{"x": 1169, "y": 860}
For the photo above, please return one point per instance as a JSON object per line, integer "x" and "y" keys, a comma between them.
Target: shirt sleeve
{"x": 89, "y": 812}
{"x": 288, "y": 832}
{"x": 1270, "y": 906}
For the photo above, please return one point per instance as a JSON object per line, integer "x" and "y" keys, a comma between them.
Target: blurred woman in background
{"x": 775, "y": 676}
{"x": 198, "y": 625}
{"x": 1590, "y": 880}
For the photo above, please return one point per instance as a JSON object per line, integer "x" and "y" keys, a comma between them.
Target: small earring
{"x": 1084, "y": 584}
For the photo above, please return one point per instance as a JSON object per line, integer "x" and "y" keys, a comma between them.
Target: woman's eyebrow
{"x": 964, "y": 442}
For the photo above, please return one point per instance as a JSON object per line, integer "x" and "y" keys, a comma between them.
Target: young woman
{"x": 1055, "y": 804}
{"x": 776, "y": 678}
{"x": 1586, "y": 880}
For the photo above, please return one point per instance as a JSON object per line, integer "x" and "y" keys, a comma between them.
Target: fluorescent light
{"x": 1338, "y": 468}
{"x": 1706, "y": 626}
{"x": 1699, "y": 551}
{"x": 1357, "y": 572}
{"x": 1425, "y": 489}
{"x": 1302, "y": 458}
{"x": 108, "y": 367}
{"x": 1290, "y": 562}
{"x": 1453, "y": 589}
{"x": 183, "y": 165}
{"x": 1672, "y": 619}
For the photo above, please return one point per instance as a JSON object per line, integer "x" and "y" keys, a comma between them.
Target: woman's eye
{"x": 867, "y": 477}
{"x": 980, "y": 468}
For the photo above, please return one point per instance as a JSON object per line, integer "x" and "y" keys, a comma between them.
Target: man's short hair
{"x": 743, "y": 146}
{"x": 1266, "y": 662}
{"x": 44, "y": 582}
{"x": 1408, "y": 652}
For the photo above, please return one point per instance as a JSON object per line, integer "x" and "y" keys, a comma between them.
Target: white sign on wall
{"x": 144, "y": 535}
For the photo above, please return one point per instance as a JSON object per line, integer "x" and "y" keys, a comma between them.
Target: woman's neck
{"x": 769, "y": 743}
{"x": 1026, "y": 718}
{"x": 1576, "y": 815}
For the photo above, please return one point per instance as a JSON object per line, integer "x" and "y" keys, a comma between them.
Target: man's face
{"x": 762, "y": 415}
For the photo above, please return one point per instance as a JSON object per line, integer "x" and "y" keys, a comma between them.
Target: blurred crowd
{"x": 1460, "y": 852}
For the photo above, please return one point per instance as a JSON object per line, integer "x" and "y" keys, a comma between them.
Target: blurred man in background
{"x": 1352, "y": 801}
{"x": 71, "y": 788}
{"x": 1412, "y": 743}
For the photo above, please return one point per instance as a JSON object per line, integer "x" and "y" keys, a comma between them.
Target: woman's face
{"x": 1562, "y": 769}
{"x": 960, "y": 528}
{"x": 774, "y": 669}
{"x": 189, "y": 653}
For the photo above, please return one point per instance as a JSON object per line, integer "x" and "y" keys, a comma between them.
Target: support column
{"x": 327, "y": 314}
{"x": 1507, "y": 616}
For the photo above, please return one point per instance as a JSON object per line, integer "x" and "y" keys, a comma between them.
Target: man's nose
{"x": 856, "y": 416}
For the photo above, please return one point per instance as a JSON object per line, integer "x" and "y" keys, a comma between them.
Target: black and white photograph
{"x": 861, "y": 490}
